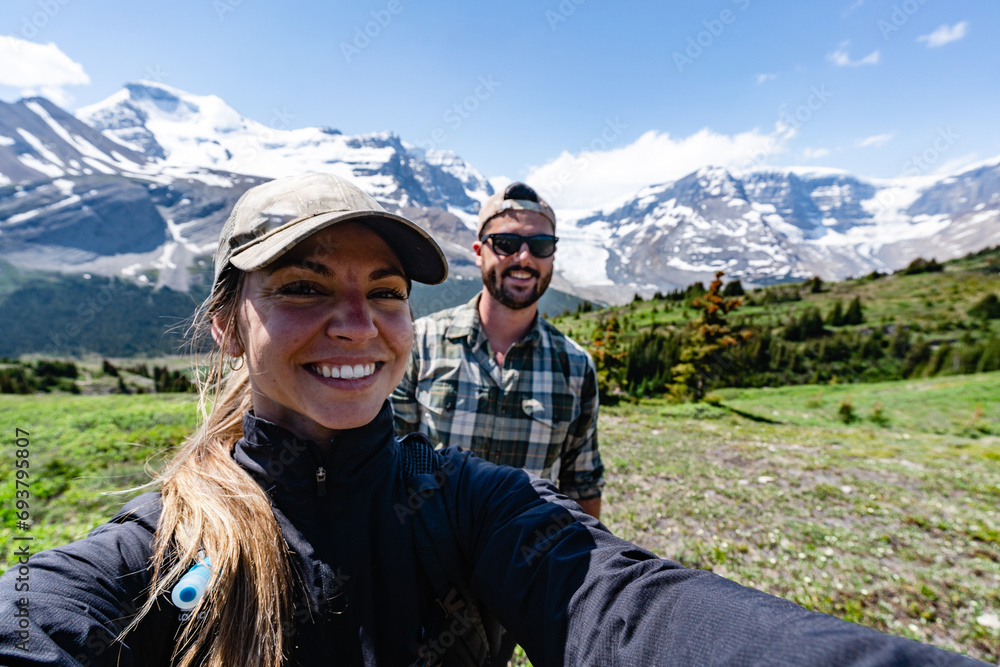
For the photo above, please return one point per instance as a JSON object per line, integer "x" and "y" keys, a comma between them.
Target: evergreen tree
{"x": 854, "y": 314}
{"x": 899, "y": 344}
{"x": 872, "y": 347}
{"x": 989, "y": 360}
{"x": 648, "y": 363}
{"x": 760, "y": 354}
{"x": 812, "y": 323}
{"x": 703, "y": 354}
{"x": 916, "y": 358}
{"x": 609, "y": 358}
{"x": 733, "y": 288}
{"x": 836, "y": 316}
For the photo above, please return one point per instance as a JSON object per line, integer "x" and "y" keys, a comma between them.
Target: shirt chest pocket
{"x": 550, "y": 420}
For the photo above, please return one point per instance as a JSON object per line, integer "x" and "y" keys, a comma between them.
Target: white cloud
{"x": 39, "y": 69}
{"x": 956, "y": 165}
{"x": 841, "y": 58}
{"x": 592, "y": 179}
{"x": 54, "y": 94}
{"x": 499, "y": 182}
{"x": 945, "y": 34}
{"x": 764, "y": 78}
{"x": 815, "y": 153}
{"x": 876, "y": 140}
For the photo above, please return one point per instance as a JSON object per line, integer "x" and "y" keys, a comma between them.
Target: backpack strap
{"x": 472, "y": 638}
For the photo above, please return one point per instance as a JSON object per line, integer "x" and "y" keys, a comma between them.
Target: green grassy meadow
{"x": 84, "y": 450}
{"x": 893, "y": 522}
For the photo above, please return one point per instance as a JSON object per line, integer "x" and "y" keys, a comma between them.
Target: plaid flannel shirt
{"x": 537, "y": 412}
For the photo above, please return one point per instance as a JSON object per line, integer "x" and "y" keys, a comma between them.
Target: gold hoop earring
{"x": 235, "y": 367}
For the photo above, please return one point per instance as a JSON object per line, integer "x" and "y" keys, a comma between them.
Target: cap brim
{"x": 421, "y": 257}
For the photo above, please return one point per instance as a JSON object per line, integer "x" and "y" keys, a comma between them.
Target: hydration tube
{"x": 192, "y": 586}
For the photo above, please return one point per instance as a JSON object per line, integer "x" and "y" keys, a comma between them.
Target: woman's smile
{"x": 344, "y": 371}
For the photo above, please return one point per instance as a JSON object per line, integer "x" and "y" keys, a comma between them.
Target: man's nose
{"x": 524, "y": 251}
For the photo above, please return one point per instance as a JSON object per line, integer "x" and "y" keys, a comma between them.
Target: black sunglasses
{"x": 540, "y": 245}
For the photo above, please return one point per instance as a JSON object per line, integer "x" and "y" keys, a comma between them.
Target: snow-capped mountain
{"x": 182, "y": 131}
{"x": 38, "y": 140}
{"x": 775, "y": 225}
{"x": 142, "y": 187}
{"x": 140, "y": 184}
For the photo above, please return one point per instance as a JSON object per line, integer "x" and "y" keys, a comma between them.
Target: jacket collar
{"x": 279, "y": 458}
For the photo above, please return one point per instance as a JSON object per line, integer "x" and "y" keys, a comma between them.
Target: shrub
{"x": 166, "y": 380}
{"x": 987, "y": 308}
{"x": 846, "y": 411}
{"x": 712, "y": 398}
{"x": 921, "y": 265}
{"x": 878, "y": 415}
{"x": 15, "y": 381}
{"x": 60, "y": 369}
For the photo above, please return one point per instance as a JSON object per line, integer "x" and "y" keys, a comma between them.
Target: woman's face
{"x": 327, "y": 332}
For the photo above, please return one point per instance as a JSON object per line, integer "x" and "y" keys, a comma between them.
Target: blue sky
{"x": 590, "y": 99}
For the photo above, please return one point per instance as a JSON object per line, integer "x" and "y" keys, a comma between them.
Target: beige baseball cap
{"x": 516, "y": 196}
{"x": 272, "y": 218}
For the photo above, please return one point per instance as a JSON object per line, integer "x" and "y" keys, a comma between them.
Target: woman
{"x": 324, "y": 540}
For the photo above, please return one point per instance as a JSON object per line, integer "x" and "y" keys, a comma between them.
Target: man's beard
{"x": 511, "y": 299}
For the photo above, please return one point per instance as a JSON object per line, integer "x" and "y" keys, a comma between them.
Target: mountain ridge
{"x": 138, "y": 185}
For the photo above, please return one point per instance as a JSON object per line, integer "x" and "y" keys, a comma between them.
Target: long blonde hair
{"x": 212, "y": 505}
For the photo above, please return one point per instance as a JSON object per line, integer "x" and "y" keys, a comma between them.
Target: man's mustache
{"x": 525, "y": 269}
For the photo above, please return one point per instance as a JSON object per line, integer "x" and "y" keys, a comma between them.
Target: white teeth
{"x": 346, "y": 371}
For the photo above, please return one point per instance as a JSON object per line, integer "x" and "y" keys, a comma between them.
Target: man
{"x": 493, "y": 376}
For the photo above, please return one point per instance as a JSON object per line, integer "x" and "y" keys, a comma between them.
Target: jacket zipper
{"x": 321, "y": 481}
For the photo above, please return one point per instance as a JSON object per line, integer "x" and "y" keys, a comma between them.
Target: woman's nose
{"x": 351, "y": 319}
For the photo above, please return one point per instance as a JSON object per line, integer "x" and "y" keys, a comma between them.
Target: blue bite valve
{"x": 191, "y": 587}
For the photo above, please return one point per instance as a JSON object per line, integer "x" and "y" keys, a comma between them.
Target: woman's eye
{"x": 299, "y": 288}
{"x": 390, "y": 293}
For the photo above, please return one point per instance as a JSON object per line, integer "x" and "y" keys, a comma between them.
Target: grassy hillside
{"x": 82, "y": 449}
{"x": 891, "y": 522}
{"x": 932, "y": 302}
{"x": 73, "y": 315}
{"x": 906, "y": 325}
{"x": 60, "y": 315}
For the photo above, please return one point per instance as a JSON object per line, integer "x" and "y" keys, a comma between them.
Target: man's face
{"x": 517, "y": 281}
